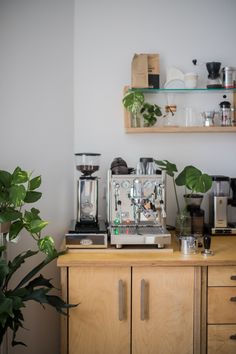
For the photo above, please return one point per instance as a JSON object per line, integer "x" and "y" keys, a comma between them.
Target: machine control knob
{"x": 125, "y": 184}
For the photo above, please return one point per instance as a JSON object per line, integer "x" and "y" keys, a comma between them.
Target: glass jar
{"x": 183, "y": 224}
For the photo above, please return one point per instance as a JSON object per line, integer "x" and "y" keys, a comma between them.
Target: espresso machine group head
{"x": 221, "y": 197}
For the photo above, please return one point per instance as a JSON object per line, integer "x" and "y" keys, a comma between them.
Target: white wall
{"x": 36, "y": 115}
{"x": 36, "y": 98}
{"x": 107, "y": 34}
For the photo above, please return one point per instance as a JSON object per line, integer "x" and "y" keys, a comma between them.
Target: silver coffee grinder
{"x": 88, "y": 230}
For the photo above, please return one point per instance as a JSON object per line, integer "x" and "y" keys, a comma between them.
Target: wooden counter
{"x": 224, "y": 248}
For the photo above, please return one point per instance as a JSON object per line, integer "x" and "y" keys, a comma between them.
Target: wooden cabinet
{"x": 149, "y": 301}
{"x": 136, "y": 310}
{"x": 221, "y": 317}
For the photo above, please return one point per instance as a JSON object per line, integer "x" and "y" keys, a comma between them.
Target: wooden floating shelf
{"x": 177, "y": 129}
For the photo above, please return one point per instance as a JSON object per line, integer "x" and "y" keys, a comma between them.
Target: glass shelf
{"x": 184, "y": 90}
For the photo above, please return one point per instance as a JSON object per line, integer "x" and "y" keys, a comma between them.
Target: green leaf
{"x": 40, "y": 266}
{"x": 38, "y": 295}
{"x": 133, "y": 101}
{"x": 33, "y": 214}
{"x": 194, "y": 180}
{"x": 15, "y": 229}
{"x": 19, "y": 176}
{"x": 17, "y": 194}
{"x": 167, "y": 166}
{"x": 5, "y": 178}
{"x": 47, "y": 245}
{"x": 35, "y": 183}
{"x": 58, "y": 303}
{"x": 9, "y": 214}
{"x": 36, "y": 226}
{"x": 6, "y": 309}
{"x": 17, "y": 262}
{"x": 40, "y": 281}
{"x": 4, "y": 270}
{"x": 2, "y": 249}
{"x": 32, "y": 197}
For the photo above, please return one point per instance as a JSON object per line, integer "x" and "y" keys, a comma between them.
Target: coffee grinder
{"x": 88, "y": 231}
{"x": 222, "y": 195}
{"x": 214, "y": 80}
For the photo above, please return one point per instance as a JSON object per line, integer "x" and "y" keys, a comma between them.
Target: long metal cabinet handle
{"x": 233, "y": 277}
{"x": 121, "y": 300}
{"x": 143, "y": 301}
{"x": 233, "y": 298}
{"x": 233, "y": 336}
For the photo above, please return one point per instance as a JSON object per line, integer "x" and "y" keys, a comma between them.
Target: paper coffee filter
{"x": 174, "y": 73}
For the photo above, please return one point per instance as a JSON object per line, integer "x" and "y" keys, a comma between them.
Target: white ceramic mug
{"x": 190, "y": 80}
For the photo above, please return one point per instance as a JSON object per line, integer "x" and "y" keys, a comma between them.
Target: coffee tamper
{"x": 207, "y": 245}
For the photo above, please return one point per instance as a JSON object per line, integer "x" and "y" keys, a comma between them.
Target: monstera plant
{"x": 196, "y": 182}
{"x": 18, "y": 190}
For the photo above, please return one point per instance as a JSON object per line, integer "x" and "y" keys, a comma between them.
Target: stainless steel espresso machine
{"x": 87, "y": 231}
{"x": 221, "y": 198}
{"x": 136, "y": 210}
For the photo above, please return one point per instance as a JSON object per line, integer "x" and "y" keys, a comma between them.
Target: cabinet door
{"x": 101, "y": 322}
{"x": 162, "y": 308}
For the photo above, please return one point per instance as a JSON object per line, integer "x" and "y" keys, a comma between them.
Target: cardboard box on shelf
{"x": 145, "y": 71}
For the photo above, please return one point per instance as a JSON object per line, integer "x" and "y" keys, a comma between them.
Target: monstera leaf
{"x": 193, "y": 179}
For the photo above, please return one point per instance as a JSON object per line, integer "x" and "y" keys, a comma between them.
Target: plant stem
{"x": 176, "y": 196}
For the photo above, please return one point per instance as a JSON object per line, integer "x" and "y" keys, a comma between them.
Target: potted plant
{"x": 17, "y": 190}
{"x": 134, "y": 102}
{"x": 150, "y": 113}
{"x": 196, "y": 184}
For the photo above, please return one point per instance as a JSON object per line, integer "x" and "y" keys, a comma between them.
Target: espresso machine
{"x": 87, "y": 231}
{"x": 222, "y": 197}
{"x": 136, "y": 210}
